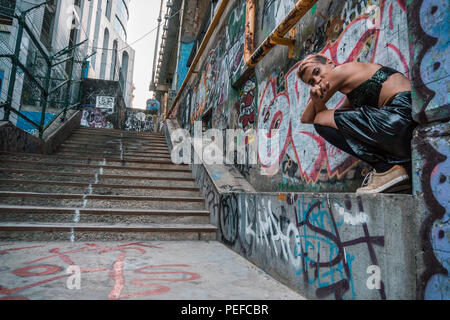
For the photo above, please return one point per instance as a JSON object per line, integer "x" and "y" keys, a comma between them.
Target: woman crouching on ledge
{"x": 374, "y": 124}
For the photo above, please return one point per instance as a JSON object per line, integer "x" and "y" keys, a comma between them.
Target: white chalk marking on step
{"x": 96, "y": 178}
{"x": 101, "y": 171}
{"x": 76, "y": 216}
{"x": 85, "y": 201}
{"x": 90, "y": 188}
{"x": 121, "y": 150}
{"x": 72, "y": 235}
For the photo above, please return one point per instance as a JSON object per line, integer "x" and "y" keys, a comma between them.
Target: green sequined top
{"x": 368, "y": 93}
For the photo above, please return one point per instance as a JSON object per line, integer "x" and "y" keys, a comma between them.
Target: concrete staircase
{"x": 101, "y": 185}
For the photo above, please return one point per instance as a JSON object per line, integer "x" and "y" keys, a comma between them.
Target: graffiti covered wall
{"x": 223, "y": 62}
{"x": 103, "y": 104}
{"x": 366, "y": 31}
{"x": 431, "y": 161}
{"x": 326, "y": 246}
{"x": 428, "y": 22}
{"x": 274, "y": 99}
{"x": 429, "y": 37}
{"x": 140, "y": 121}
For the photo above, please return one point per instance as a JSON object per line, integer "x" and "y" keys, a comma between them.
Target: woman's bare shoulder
{"x": 355, "y": 65}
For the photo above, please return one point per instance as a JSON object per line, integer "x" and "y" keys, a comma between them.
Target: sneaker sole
{"x": 386, "y": 186}
{"x": 401, "y": 188}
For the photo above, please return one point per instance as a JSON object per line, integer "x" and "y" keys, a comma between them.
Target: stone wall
{"x": 274, "y": 99}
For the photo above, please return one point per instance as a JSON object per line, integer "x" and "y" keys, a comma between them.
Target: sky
{"x": 143, "y": 18}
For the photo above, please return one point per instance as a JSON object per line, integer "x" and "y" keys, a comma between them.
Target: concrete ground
{"x": 168, "y": 270}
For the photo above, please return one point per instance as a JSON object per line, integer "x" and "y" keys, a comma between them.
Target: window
{"x": 114, "y": 61}
{"x": 120, "y": 29}
{"x": 124, "y": 72}
{"x": 122, "y": 11}
{"x": 48, "y": 24}
{"x": 104, "y": 55}
{"x": 108, "y": 9}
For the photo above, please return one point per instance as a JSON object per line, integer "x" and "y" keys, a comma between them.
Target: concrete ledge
{"x": 13, "y": 139}
{"x": 60, "y": 134}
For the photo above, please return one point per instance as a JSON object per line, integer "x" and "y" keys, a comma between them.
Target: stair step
{"x": 84, "y": 147}
{"x": 117, "y": 139}
{"x": 116, "y": 131}
{"x": 100, "y": 201}
{"x": 101, "y": 232}
{"x": 97, "y": 196}
{"x": 111, "y": 155}
{"x": 107, "y": 168}
{"x": 105, "y": 142}
{"x": 76, "y": 157}
{"x": 145, "y": 180}
{"x": 101, "y": 185}
{"x": 50, "y": 186}
{"x": 100, "y": 215}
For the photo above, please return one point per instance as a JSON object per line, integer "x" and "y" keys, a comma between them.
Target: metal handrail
{"x": 252, "y": 57}
{"x": 44, "y": 88}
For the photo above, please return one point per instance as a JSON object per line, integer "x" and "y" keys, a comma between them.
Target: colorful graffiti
{"x": 223, "y": 63}
{"x": 429, "y": 36}
{"x": 303, "y": 235}
{"x": 432, "y": 161}
{"x": 95, "y": 118}
{"x": 40, "y": 272}
{"x": 139, "y": 120}
{"x": 372, "y": 36}
{"x": 273, "y": 12}
{"x": 153, "y": 105}
{"x": 246, "y": 106}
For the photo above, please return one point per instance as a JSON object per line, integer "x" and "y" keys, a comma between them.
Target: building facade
{"x": 92, "y": 32}
{"x": 104, "y": 22}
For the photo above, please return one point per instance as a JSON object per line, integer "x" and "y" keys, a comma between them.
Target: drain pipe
{"x": 250, "y": 19}
{"x": 209, "y": 32}
{"x": 277, "y": 36}
{"x": 156, "y": 45}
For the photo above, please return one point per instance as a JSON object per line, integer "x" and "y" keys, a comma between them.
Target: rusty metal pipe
{"x": 209, "y": 32}
{"x": 250, "y": 19}
{"x": 300, "y": 9}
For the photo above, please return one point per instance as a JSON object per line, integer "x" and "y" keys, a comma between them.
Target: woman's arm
{"x": 346, "y": 104}
{"x": 314, "y": 105}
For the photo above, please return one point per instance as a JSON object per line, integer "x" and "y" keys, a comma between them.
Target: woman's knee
{"x": 326, "y": 118}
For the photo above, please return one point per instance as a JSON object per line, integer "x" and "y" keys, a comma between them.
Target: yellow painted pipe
{"x": 209, "y": 32}
{"x": 253, "y": 57}
{"x": 250, "y": 19}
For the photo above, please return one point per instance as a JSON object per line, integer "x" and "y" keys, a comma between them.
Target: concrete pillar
{"x": 428, "y": 24}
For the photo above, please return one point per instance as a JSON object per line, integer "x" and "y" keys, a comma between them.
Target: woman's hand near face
{"x": 319, "y": 91}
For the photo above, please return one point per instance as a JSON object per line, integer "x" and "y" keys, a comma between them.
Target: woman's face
{"x": 313, "y": 73}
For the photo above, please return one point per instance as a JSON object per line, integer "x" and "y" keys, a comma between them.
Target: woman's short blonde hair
{"x": 315, "y": 57}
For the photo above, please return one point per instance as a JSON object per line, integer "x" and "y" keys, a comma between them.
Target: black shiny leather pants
{"x": 379, "y": 136}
